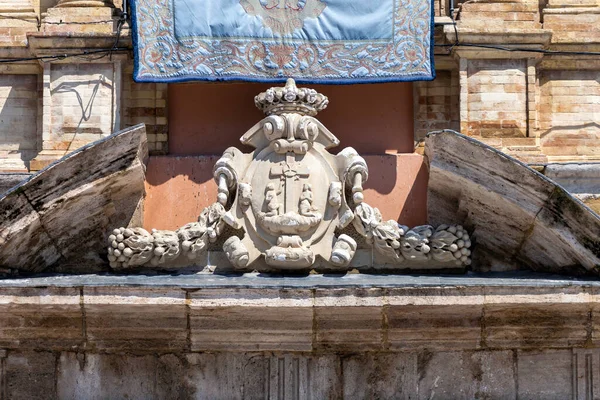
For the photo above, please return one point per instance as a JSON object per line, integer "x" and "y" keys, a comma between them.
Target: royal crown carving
{"x": 291, "y": 205}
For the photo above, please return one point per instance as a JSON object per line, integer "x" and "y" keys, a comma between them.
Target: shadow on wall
{"x": 79, "y": 116}
{"x": 18, "y": 118}
{"x": 85, "y": 106}
{"x": 178, "y": 188}
{"x": 591, "y": 130}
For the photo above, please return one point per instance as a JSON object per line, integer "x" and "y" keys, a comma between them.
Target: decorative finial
{"x": 291, "y": 99}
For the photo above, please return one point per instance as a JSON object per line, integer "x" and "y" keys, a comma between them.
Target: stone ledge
{"x": 142, "y": 314}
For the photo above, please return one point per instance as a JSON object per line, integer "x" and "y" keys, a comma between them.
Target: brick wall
{"x": 523, "y": 14}
{"x": 81, "y": 103}
{"x": 497, "y": 98}
{"x": 569, "y": 113}
{"x": 146, "y": 103}
{"x": 18, "y": 117}
{"x": 437, "y": 104}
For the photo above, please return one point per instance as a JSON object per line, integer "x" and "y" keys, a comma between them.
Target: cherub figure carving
{"x": 306, "y": 201}
{"x": 271, "y": 198}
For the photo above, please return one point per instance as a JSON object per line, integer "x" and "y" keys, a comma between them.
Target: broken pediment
{"x": 57, "y": 219}
{"x": 518, "y": 218}
{"x": 292, "y": 205}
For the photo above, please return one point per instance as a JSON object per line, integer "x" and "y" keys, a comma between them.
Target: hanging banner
{"x": 313, "y": 41}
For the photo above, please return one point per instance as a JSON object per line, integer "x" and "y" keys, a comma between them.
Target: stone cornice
{"x": 43, "y": 43}
{"x": 315, "y": 313}
{"x": 521, "y": 37}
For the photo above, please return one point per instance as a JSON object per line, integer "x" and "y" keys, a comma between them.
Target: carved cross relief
{"x": 290, "y": 202}
{"x": 291, "y": 173}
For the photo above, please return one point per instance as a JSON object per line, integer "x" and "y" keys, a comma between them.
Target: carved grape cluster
{"x": 449, "y": 244}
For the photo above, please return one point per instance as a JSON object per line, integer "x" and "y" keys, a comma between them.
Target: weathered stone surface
{"x": 517, "y": 216}
{"x": 545, "y": 374}
{"x": 349, "y": 320}
{"x": 380, "y": 376}
{"x": 29, "y": 375}
{"x": 251, "y": 320}
{"x": 192, "y": 313}
{"x": 488, "y": 374}
{"x": 466, "y": 375}
{"x": 95, "y": 376}
{"x": 41, "y": 319}
{"x": 575, "y": 177}
{"x": 434, "y": 319}
{"x": 119, "y": 320}
{"x": 8, "y": 180}
{"x": 63, "y": 213}
{"x": 203, "y": 336}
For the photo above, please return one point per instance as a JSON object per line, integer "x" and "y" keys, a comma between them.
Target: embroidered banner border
{"x": 160, "y": 57}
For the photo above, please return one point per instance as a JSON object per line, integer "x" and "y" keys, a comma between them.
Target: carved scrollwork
{"x": 236, "y": 252}
{"x": 343, "y": 251}
{"x": 291, "y": 198}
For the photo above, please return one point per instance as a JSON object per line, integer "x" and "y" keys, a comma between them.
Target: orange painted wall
{"x": 206, "y": 118}
{"x": 179, "y": 187}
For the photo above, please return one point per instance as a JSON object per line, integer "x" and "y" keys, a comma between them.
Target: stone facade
{"x": 66, "y": 99}
{"x": 497, "y": 332}
{"x": 538, "y": 107}
{"x": 321, "y": 338}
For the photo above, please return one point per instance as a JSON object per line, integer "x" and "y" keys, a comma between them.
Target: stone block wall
{"x": 496, "y": 98}
{"x": 500, "y": 374}
{"x": 18, "y": 116}
{"x": 520, "y": 14}
{"x": 81, "y": 105}
{"x": 51, "y": 107}
{"x": 437, "y": 104}
{"x": 537, "y": 106}
{"x": 475, "y": 339}
{"x": 569, "y": 114}
{"x": 146, "y": 103}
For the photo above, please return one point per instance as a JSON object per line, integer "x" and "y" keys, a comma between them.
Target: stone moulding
{"x": 291, "y": 202}
{"x": 57, "y": 218}
{"x": 518, "y": 217}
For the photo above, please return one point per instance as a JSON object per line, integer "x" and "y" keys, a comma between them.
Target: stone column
{"x": 81, "y": 95}
{"x": 18, "y": 86}
{"x": 498, "y": 101}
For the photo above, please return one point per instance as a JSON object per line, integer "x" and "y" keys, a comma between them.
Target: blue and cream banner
{"x": 313, "y": 41}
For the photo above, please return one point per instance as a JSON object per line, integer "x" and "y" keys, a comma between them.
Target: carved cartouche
{"x": 290, "y": 197}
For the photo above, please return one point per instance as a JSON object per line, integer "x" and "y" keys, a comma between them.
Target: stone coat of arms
{"x": 287, "y": 204}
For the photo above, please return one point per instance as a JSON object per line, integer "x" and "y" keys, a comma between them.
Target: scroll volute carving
{"x": 290, "y": 199}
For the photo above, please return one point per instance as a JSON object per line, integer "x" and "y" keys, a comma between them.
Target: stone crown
{"x": 291, "y": 99}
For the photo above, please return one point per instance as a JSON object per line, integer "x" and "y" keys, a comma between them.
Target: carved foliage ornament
{"x": 291, "y": 198}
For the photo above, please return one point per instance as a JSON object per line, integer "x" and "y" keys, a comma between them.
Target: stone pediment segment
{"x": 56, "y": 218}
{"x": 518, "y": 217}
{"x": 291, "y": 205}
